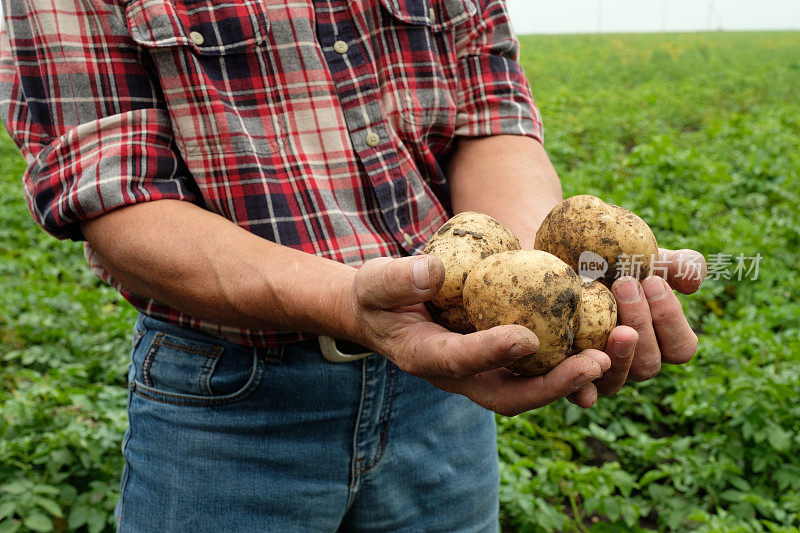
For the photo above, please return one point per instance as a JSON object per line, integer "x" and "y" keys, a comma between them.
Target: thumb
{"x": 386, "y": 283}
{"x": 517, "y": 394}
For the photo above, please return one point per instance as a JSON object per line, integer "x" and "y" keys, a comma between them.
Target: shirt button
{"x": 341, "y": 47}
{"x": 197, "y": 38}
{"x": 373, "y": 139}
{"x": 408, "y": 239}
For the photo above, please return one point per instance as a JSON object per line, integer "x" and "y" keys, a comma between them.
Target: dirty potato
{"x": 531, "y": 288}
{"x": 597, "y": 316}
{"x": 454, "y": 319}
{"x": 461, "y": 243}
{"x": 598, "y": 240}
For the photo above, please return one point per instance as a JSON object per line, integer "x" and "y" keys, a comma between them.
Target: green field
{"x": 698, "y": 133}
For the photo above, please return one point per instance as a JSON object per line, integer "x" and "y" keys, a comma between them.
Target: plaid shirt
{"x": 323, "y": 125}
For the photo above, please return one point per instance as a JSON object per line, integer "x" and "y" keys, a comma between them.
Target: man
{"x": 251, "y": 175}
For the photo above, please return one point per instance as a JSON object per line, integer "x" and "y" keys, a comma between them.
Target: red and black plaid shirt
{"x": 323, "y": 125}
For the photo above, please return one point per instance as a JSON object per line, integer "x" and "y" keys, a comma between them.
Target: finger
{"x": 386, "y": 283}
{"x": 446, "y": 354}
{"x": 586, "y": 396}
{"x": 675, "y": 337}
{"x": 620, "y": 348}
{"x": 634, "y": 311}
{"x": 685, "y": 269}
{"x": 517, "y": 394}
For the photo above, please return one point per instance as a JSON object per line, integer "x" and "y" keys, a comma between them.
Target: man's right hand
{"x": 383, "y": 308}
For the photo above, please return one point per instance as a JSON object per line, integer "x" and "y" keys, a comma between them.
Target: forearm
{"x": 210, "y": 268}
{"x": 507, "y": 177}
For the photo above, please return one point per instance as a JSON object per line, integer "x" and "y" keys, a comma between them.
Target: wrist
{"x": 345, "y": 319}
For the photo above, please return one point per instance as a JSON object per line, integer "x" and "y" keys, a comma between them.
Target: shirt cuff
{"x": 494, "y": 96}
{"x": 500, "y": 104}
{"x": 96, "y": 167}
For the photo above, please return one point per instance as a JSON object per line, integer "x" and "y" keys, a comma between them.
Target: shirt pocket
{"x": 210, "y": 29}
{"x": 439, "y": 15}
{"x": 418, "y": 67}
{"x": 209, "y": 57}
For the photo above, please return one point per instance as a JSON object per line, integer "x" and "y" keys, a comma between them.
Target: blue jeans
{"x": 228, "y": 438}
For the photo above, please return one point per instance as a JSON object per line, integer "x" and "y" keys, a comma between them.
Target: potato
{"x": 597, "y": 316}
{"x": 454, "y": 319}
{"x": 531, "y": 288}
{"x": 461, "y": 243}
{"x": 598, "y": 240}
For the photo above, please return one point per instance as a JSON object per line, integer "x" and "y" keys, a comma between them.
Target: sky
{"x": 582, "y": 16}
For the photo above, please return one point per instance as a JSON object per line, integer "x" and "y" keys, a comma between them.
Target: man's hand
{"x": 385, "y": 303}
{"x": 652, "y": 309}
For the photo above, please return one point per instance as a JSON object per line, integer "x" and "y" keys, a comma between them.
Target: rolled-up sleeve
{"x": 78, "y": 98}
{"x": 495, "y": 97}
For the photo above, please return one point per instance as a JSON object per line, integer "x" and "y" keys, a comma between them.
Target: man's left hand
{"x": 654, "y": 312}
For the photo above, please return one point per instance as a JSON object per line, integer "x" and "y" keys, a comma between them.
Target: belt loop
{"x": 271, "y": 355}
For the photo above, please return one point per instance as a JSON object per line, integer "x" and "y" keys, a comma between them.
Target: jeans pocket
{"x": 183, "y": 370}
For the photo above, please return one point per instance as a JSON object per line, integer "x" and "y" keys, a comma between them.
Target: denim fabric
{"x": 227, "y": 438}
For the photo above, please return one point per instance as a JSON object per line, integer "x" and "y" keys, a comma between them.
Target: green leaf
{"x": 96, "y": 521}
{"x": 630, "y": 514}
{"x": 601, "y": 433}
{"x": 611, "y": 508}
{"x": 78, "y": 516}
{"x": 739, "y": 483}
{"x": 6, "y": 509}
{"x": 742, "y": 509}
{"x": 733, "y": 495}
{"x": 529, "y": 429}
{"x": 652, "y": 475}
{"x": 572, "y": 413}
{"x": 10, "y": 526}
{"x": 68, "y": 494}
{"x": 38, "y": 521}
{"x": 46, "y": 489}
{"x": 778, "y": 438}
{"x": 16, "y": 487}
{"x": 660, "y": 492}
{"x": 49, "y": 505}
{"x": 60, "y": 457}
{"x": 590, "y": 504}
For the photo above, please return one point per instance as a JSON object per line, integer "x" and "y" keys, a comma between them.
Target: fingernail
{"x": 582, "y": 380}
{"x": 420, "y": 274}
{"x": 518, "y": 350}
{"x": 653, "y": 288}
{"x": 623, "y": 350}
{"x": 628, "y": 291}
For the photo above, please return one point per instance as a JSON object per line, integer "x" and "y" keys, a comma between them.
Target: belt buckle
{"x": 332, "y": 353}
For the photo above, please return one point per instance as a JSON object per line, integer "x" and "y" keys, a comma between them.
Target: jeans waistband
{"x": 310, "y": 344}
